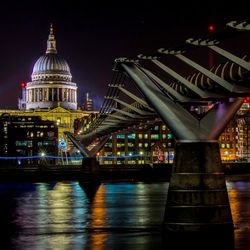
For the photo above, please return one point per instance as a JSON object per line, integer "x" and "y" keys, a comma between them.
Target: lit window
{"x": 120, "y": 136}
{"x": 131, "y": 136}
{"x": 155, "y": 136}
{"x": 170, "y": 136}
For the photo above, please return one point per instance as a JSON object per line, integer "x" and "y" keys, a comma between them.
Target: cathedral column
{"x": 28, "y": 95}
{"x": 52, "y": 89}
{"x": 37, "y": 95}
{"x": 32, "y": 95}
{"x": 69, "y": 95}
{"x": 40, "y": 94}
{"x": 47, "y": 94}
{"x": 64, "y": 94}
{"x": 43, "y": 95}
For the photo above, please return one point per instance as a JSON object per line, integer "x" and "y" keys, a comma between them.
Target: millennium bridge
{"x": 150, "y": 87}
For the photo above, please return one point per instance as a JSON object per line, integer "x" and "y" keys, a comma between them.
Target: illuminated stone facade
{"x": 63, "y": 118}
{"x": 51, "y": 84}
{"x": 51, "y": 94}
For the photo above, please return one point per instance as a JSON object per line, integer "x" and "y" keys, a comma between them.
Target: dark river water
{"x": 123, "y": 215}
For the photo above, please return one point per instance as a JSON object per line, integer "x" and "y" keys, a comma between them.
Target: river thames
{"x": 118, "y": 215}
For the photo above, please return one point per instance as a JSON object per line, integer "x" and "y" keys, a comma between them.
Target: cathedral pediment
{"x": 59, "y": 110}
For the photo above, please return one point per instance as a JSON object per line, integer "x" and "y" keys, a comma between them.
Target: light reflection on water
{"x": 239, "y": 196}
{"x": 67, "y": 215}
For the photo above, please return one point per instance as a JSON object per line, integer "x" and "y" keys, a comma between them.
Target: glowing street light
{"x": 43, "y": 154}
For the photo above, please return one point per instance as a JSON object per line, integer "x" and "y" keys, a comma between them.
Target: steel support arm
{"x": 183, "y": 80}
{"x": 217, "y": 118}
{"x": 99, "y": 146}
{"x": 118, "y": 117}
{"x": 135, "y": 98}
{"x": 170, "y": 90}
{"x": 83, "y": 150}
{"x": 225, "y": 84}
{"x": 138, "y": 111}
{"x": 242, "y": 63}
{"x": 179, "y": 120}
{"x": 127, "y": 113}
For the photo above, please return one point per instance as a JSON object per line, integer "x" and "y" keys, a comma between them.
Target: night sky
{"x": 91, "y": 34}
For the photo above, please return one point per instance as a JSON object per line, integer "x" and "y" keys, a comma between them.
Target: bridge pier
{"x": 197, "y": 196}
{"x": 91, "y": 170}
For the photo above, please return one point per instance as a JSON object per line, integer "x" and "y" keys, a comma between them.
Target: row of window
{"x": 140, "y": 145}
{"x": 30, "y": 143}
{"x": 34, "y": 126}
{"x": 145, "y": 136}
{"x": 227, "y": 145}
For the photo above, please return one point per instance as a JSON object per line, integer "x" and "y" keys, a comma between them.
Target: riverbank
{"x": 148, "y": 173}
{"x": 79, "y": 173}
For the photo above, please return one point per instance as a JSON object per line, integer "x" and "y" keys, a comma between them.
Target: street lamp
{"x": 226, "y": 155}
{"x": 141, "y": 156}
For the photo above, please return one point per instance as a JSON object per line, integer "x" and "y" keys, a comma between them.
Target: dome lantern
{"x": 51, "y": 43}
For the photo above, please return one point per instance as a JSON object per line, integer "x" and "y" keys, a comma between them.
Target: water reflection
{"x": 66, "y": 215}
{"x": 97, "y": 221}
{"x": 239, "y": 196}
{"x": 50, "y": 216}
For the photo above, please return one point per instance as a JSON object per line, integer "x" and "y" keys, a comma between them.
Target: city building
{"x": 155, "y": 143}
{"x": 144, "y": 144}
{"x": 147, "y": 143}
{"x": 29, "y": 138}
{"x": 88, "y": 104}
{"x": 50, "y": 94}
{"x": 228, "y": 141}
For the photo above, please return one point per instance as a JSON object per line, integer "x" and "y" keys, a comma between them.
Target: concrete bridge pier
{"x": 90, "y": 180}
{"x": 197, "y": 196}
{"x": 90, "y": 171}
{"x": 197, "y": 213}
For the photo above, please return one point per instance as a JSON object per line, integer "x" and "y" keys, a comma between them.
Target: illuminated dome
{"x": 51, "y": 84}
{"x": 51, "y": 64}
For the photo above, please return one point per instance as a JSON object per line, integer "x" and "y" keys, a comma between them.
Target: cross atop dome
{"x": 51, "y": 42}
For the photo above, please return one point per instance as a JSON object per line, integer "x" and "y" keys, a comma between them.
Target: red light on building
{"x": 22, "y": 84}
{"x": 246, "y": 99}
{"x": 211, "y": 28}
